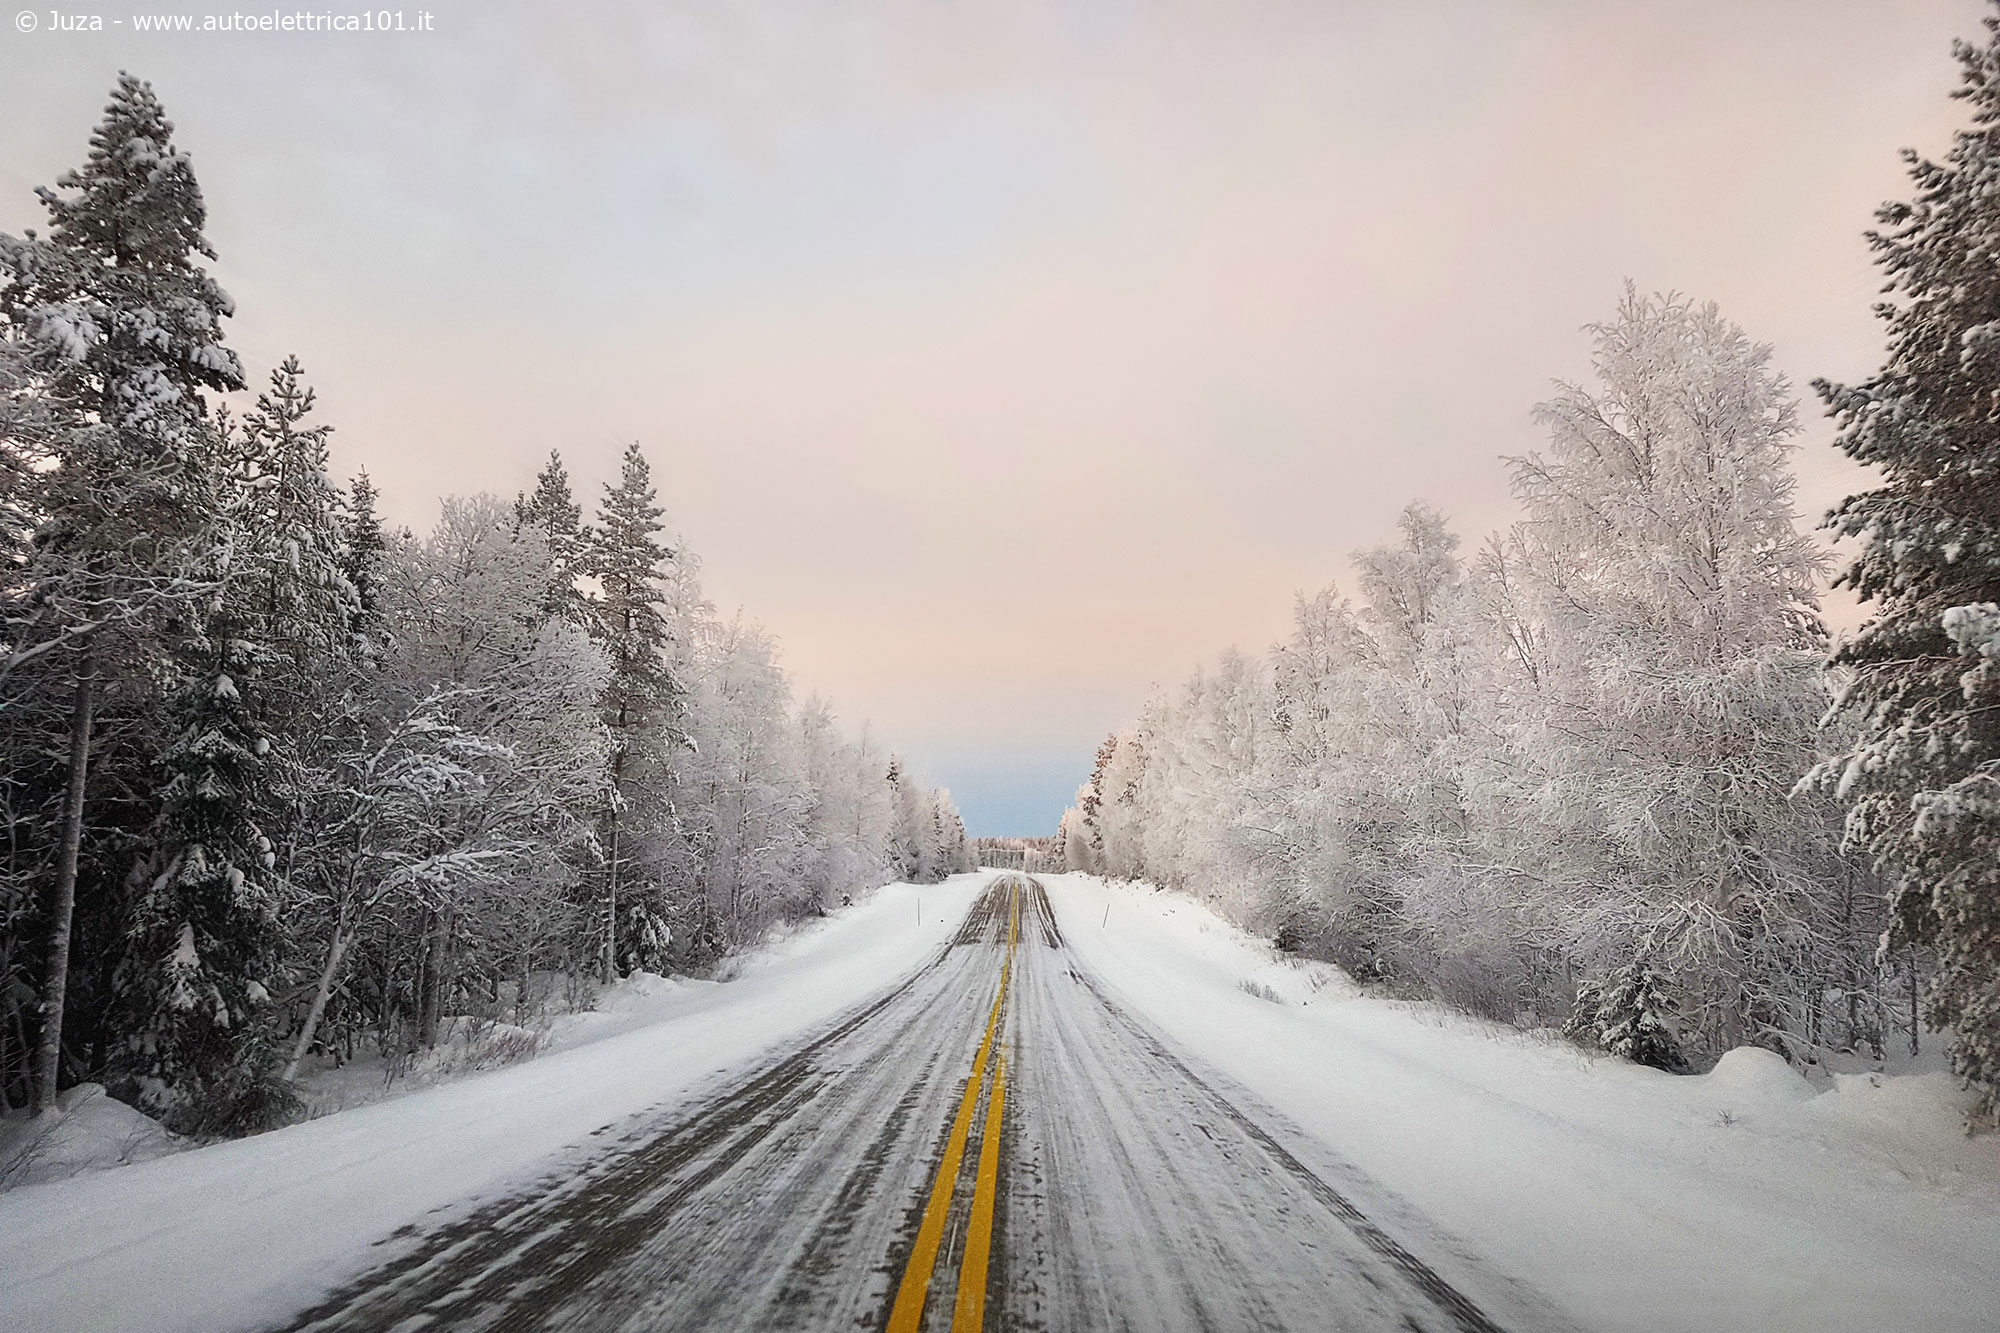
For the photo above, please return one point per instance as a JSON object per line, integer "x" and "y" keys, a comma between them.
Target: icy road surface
{"x": 997, "y": 1113}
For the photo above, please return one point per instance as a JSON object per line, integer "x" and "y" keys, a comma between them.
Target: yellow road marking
{"x": 907, "y": 1315}
{"x": 970, "y": 1313}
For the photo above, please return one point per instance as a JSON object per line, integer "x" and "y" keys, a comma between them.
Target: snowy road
{"x": 859, "y": 1182}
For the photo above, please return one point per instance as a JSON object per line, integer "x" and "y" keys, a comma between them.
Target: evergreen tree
{"x": 124, "y": 331}
{"x": 641, "y": 704}
{"x": 555, "y": 511}
{"x": 1630, "y": 1016}
{"x": 298, "y": 609}
{"x": 205, "y": 930}
{"x": 1926, "y": 668}
{"x": 362, "y": 548}
{"x": 128, "y": 322}
{"x": 294, "y": 585}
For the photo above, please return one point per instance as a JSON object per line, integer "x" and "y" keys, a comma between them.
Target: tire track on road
{"x": 509, "y": 1263}
{"x": 1463, "y": 1312}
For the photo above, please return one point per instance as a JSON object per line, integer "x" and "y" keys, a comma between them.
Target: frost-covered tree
{"x": 204, "y": 932}
{"x": 463, "y": 603}
{"x": 910, "y": 838}
{"x": 1072, "y": 843}
{"x": 361, "y": 549}
{"x": 553, "y": 509}
{"x": 1186, "y": 797}
{"x": 871, "y": 836}
{"x": 843, "y": 854}
{"x": 1630, "y": 1016}
{"x": 1679, "y": 600}
{"x": 1087, "y": 852}
{"x": 1321, "y": 825}
{"x": 1924, "y": 685}
{"x": 748, "y": 787}
{"x": 123, "y": 332}
{"x": 1407, "y": 585}
{"x": 1119, "y": 825}
{"x": 1492, "y": 778}
{"x": 642, "y": 706}
{"x": 378, "y": 840}
{"x": 925, "y": 836}
{"x": 954, "y": 849}
{"x": 277, "y": 781}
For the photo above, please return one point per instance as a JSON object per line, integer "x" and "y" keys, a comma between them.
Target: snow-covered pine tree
{"x": 642, "y": 704}
{"x": 1629, "y": 1015}
{"x": 361, "y": 550}
{"x": 124, "y": 328}
{"x": 259, "y": 687}
{"x": 554, "y": 510}
{"x": 290, "y": 542}
{"x": 204, "y": 931}
{"x": 1920, "y": 781}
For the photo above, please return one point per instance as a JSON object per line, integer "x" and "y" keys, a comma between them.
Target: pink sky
{"x": 1008, "y": 359}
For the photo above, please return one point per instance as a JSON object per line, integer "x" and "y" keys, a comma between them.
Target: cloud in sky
{"x": 1006, "y": 360}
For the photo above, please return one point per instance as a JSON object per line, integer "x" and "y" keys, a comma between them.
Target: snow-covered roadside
{"x": 242, "y": 1233}
{"x": 640, "y": 1000}
{"x": 1632, "y": 1199}
{"x": 87, "y": 1131}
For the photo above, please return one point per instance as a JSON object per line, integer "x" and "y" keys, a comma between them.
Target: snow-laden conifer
{"x": 642, "y": 704}
{"x": 1629, "y": 1015}
{"x": 122, "y": 329}
{"x": 553, "y": 509}
{"x": 1925, "y": 687}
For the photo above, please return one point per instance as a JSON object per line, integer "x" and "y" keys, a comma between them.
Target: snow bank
{"x": 1632, "y": 1199}
{"x": 86, "y": 1131}
{"x": 1913, "y": 1124}
{"x": 242, "y": 1234}
{"x": 1751, "y": 1076}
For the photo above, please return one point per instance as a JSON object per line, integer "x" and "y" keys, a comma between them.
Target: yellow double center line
{"x": 907, "y": 1315}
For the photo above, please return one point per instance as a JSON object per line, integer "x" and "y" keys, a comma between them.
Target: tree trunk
{"x": 334, "y": 954}
{"x": 427, "y": 980}
{"x": 447, "y": 977}
{"x": 611, "y": 915}
{"x": 1916, "y": 1014}
{"x": 48, "y": 1060}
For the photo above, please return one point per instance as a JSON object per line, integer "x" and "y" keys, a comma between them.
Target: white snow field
{"x": 1629, "y": 1198}
{"x": 241, "y": 1234}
